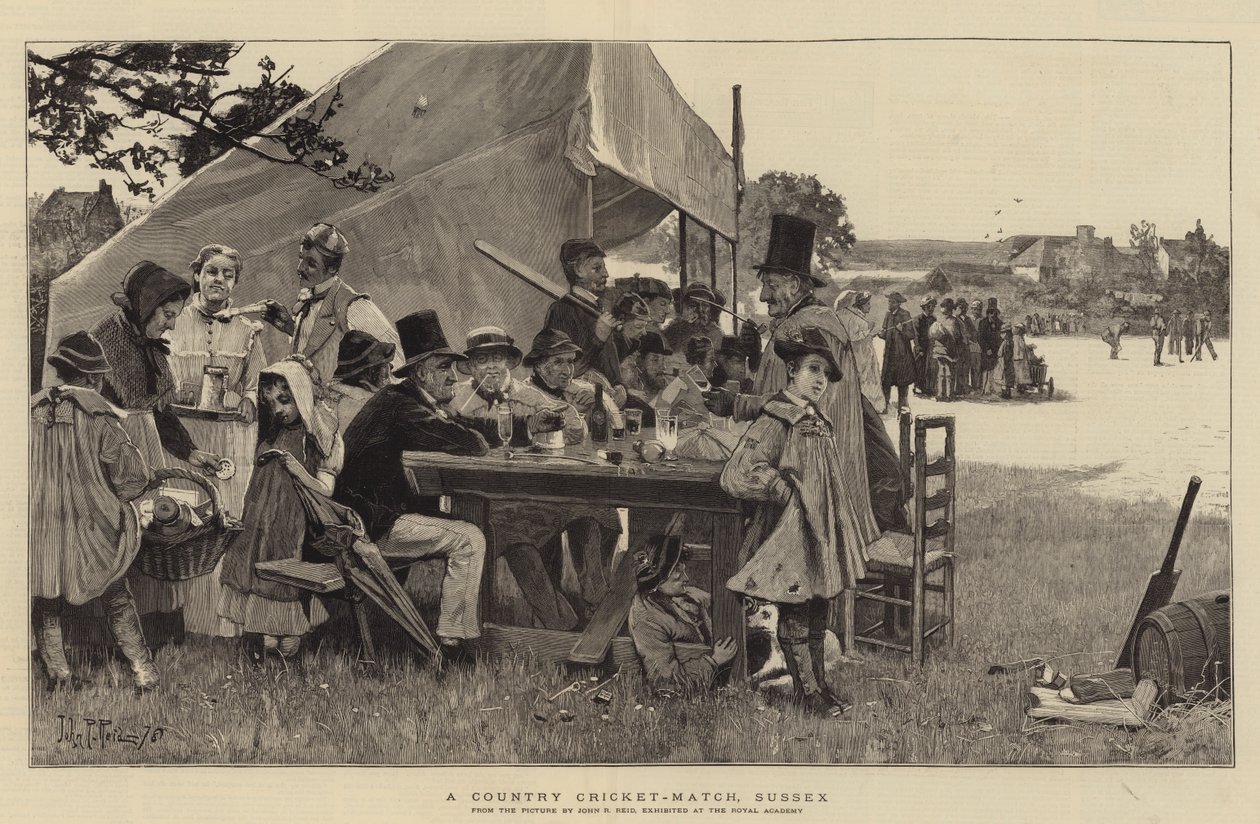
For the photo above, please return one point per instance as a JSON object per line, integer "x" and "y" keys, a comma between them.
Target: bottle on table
{"x": 598, "y": 423}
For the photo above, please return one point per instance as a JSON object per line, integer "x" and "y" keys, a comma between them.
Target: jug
{"x": 213, "y": 388}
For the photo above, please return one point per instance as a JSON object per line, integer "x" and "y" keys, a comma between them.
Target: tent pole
{"x": 713, "y": 259}
{"x": 682, "y": 250}
{"x": 590, "y": 207}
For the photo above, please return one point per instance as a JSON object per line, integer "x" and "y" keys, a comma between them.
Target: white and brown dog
{"x": 768, "y": 671}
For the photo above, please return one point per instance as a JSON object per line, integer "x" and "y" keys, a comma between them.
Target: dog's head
{"x": 760, "y": 615}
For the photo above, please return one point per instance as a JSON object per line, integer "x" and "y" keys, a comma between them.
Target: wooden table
{"x": 475, "y": 484}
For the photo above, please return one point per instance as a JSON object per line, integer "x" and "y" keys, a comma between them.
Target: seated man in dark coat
{"x": 412, "y": 416}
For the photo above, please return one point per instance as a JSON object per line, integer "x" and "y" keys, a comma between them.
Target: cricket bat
{"x": 1163, "y": 582}
{"x": 528, "y": 274}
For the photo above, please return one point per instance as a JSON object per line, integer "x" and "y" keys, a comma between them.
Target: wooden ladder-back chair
{"x": 900, "y": 582}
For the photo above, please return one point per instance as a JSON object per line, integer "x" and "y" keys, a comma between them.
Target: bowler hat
{"x": 653, "y": 343}
{"x": 360, "y": 350}
{"x": 896, "y": 297}
{"x": 146, "y": 287}
{"x": 657, "y": 559}
{"x": 808, "y": 340}
{"x": 791, "y": 248}
{"x": 80, "y": 352}
{"x": 548, "y": 343}
{"x": 422, "y": 336}
{"x": 699, "y": 290}
{"x": 487, "y": 339}
{"x": 732, "y": 347}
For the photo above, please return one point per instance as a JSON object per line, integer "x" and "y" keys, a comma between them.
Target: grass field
{"x": 1044, "y": 570}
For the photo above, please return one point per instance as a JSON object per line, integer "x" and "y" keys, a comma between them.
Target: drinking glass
{"x": 504, "y": 414}
{"x": 667, "y": 433}
{"x": 634, "y": 421}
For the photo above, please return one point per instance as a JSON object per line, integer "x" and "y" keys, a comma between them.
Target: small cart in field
{"x": 1039, "y": 370}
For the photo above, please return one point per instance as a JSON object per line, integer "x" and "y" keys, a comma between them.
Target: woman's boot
{"x": 124, "y": 623}
{"x": 49, "y": 642}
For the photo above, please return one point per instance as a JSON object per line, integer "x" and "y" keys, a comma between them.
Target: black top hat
{"x": 652, "y": 343}
{"x": 657, "y": 559}
{"x": 421, "y": 335}
{"x": 548, "y": 343}
{"x": 807, "y": 341}
{"x": 146, "y": 287}
{"x": 732, "y": 347}
{"x": 791, "y": 248}
{"x": 80, "y": 352}
{"x": 487, "y": 339}
{"x": 360, "y": 350}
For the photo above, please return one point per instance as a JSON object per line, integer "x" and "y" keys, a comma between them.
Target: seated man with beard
{"x": 529, "y": 533}
{"x": 646, "y": 376}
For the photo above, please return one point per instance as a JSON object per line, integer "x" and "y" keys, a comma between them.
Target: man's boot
{"x": 124, "y": 623}
{"x": 49, "y": 642}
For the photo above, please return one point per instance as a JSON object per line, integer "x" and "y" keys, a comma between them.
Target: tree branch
{"x": 113, "y": 60}
{"x": 170, "y": 112}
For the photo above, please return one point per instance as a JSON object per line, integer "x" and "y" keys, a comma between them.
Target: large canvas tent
{"x": 522, "y": 145}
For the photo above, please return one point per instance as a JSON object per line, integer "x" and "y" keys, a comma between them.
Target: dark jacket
{"x": 400, "y": 418}
{"x": 568, "y": 316}
{"x": 989, "y": 331}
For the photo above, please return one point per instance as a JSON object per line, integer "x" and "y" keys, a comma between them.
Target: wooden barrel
{"x": 1184, "y": 648}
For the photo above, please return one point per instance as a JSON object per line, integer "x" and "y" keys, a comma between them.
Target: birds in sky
{"x": 1019, "y": 200}
{"x": 998, "y": 212}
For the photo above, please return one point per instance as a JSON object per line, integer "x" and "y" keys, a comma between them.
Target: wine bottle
{"x": 599, "y": 417}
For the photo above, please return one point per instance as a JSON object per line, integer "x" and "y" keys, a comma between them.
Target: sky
{"x": 929, "y": 139}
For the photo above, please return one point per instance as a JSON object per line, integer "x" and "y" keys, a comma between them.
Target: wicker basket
{"x": 197, "y": 551}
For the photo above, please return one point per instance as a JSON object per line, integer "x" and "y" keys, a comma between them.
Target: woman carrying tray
{"x": 198, "y": 340}
{"x": 141, "y": 383}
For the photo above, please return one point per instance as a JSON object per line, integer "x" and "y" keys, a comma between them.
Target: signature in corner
{"x": 101, "y": 733}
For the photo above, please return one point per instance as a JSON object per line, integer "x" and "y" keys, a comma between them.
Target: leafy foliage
{"x": 1145, "y": 240}
{"x": 166, "y": 98}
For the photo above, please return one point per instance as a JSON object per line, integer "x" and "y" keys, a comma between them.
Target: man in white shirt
{"x": 327, "y": 308}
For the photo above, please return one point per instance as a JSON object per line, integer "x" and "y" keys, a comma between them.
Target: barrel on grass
{"x": 1184, "y": 648}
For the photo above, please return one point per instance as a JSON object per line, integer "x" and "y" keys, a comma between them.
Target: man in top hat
{"x": 989, "y": 332}
{"x": 1159, "y": 328}
{"x": 86, "y": 475}
{"x": 968, "y": 345}
{"x": 873, "y": 489}
{"x": 327, "y": 307}
{"x": 414, "y": 416}
{"x": 899, "y": 368}
{"x": 926, "y": 383}
{"x": 697, "y": 317}
{"x": 668, "y": 617}
{"x": 363, "y": 367}
{"x": 583, "y": 262}
{"x": 945, "y": 334}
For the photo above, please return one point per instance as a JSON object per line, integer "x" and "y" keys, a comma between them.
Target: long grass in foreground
{"x": 1043, "y": 571}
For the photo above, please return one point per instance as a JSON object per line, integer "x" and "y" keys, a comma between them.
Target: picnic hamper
{"x": 191, "y": 553}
